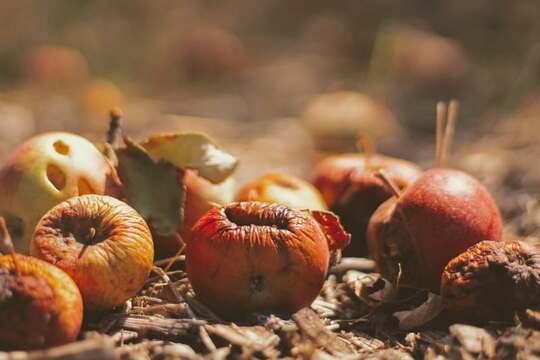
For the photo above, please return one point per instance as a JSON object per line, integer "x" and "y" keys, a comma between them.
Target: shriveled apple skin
{"x": 283, "y": 189}
{"x": 253, "y": 256}
{"x": 111, "y": 267}
{"x": 441, "y": 215}
{"x": 349, "y": 184}
{"x": 40, "y": 306}
{"x": 46, "y": 170}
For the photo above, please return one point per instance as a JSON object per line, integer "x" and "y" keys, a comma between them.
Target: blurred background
{"x": 277, "y": 83}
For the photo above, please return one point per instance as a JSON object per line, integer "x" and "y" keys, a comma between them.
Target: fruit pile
{"x": 94, "y": 232}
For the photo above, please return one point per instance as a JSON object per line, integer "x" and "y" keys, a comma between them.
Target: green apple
{"x": 44, "y": 171}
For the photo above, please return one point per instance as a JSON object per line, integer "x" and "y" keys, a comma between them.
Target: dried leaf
{"x": 370, "y": 288}
{"x": 427, "y": 311}
{"x": 337, "y": 237}
{"x": 193, "y": 151}
{"x": 153, "y": 188}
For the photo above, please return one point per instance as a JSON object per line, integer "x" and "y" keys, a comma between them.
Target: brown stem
{"x": 115, "y": 129}
{"x": 388, "y": 183}
{"x": 449, "y": 130}
{"x": 441, "y": 114}
{"x": 6, "y": 243}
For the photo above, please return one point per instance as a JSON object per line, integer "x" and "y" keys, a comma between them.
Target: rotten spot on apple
{"x": 242, "y": 258}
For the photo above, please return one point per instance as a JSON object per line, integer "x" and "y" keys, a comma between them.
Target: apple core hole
{"x": 61, "y": 147}
{"x": 56, "y": 176}
{"x": 266, "y": 217}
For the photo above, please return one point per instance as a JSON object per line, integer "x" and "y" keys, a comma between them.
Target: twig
{"x": 449, "y": 131}
{"x": 441, "y": 120}
{"x": 388, "y": 183}
{"x": 115, "y": 129}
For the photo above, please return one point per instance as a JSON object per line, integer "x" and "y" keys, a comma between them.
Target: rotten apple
{"x": 44, "y": 171}
{"x": 351, "y": 188}
{"x": 102, "y": 243}
{"x": 253, "y": 256}
{"x": 40, "y": 306}
{"x": 283, "y": 189}
{"x": 413, "y": 236}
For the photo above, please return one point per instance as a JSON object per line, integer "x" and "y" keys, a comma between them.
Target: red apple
{"x": 254, "y": 256}
{"x": 283, "y": 189}
{"x": 438, "y": 217}
{"x": 352, "y": 190}
{"x": 44, "y": 171}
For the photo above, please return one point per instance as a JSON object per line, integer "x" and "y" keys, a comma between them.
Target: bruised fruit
{"x": 253, "y": 256}
{"x": 438, "y": 217}
{"x": 492, "y": 280}
{"x": 283, "y": 189}
{"x": 352, "y": 190}
{"x": 40, "y": 306}
{"x": 102, "y": 243}
{"x": 44, "y": 171}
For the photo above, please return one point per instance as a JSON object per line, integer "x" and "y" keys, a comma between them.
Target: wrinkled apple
{"x": 102, "y": 243}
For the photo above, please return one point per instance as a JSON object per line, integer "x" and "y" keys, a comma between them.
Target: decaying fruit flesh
{"x": 102, "y": 243}
{"x": 492, "y": 279}
{"x": 253, "y": 256}
{"x": 40, "y": 306}
{"x": 283, "y": 189}
{"x": 44, "y": 171}
{"x": 352, "y": 189}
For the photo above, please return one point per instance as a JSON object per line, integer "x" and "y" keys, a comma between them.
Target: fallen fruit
{"x": 40, "y": 306}
{"x": 102, "y": 243}
{"x": 492, "y": 280}
{"x": 412, "y": 237}
{"x": 44, "y": 171}
{"x": 352, "y": 190}
{"x": 253, "y": 256}
{"x": 283, "y": 189}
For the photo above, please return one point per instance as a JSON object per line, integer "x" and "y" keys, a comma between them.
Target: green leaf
{"x": 153, "y": 187}
{"x": 194, "y": 151}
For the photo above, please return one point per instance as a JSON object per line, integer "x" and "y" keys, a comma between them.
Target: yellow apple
{"x": 44, "y": 171}
{"x": 283, "y": 189}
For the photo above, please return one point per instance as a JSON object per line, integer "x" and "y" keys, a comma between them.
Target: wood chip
{"x": 313, "y": 328}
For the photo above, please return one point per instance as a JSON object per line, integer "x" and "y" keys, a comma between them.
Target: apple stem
{"x": 441, "y": 114}
{"x": 388, "y": 183}
{"x": 182, "y": 244}
{"x": 452, "y": 114}
{"x": 6, "y": 242}
{"x": 365, "y": 145}
{"x": 115, "y": 128}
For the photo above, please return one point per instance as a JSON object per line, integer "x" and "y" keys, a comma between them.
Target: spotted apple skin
{"x": 40, "y": 306}
{"x": 439, "y": 216}
{"x": 110, "y": 263}
{"x": 254, "y": 256}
